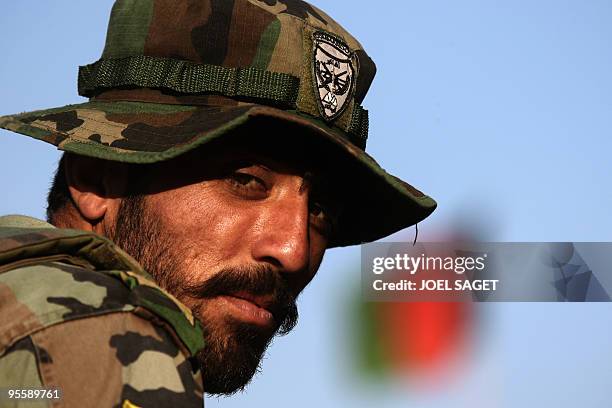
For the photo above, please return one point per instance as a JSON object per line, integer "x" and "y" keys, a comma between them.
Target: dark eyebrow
{"x": 307, "y": 180}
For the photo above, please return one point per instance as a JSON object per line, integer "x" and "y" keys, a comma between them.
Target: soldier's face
{"x": 236, "y": 243}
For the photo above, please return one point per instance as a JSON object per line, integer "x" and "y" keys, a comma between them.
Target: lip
{"x": 249, "y": 310}
{"x": 264, "y": 302}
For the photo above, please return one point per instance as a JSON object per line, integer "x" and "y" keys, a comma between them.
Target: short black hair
{"x": 59, "y": 194}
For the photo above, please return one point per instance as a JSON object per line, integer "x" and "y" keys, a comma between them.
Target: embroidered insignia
{"x": 334, "y": 74}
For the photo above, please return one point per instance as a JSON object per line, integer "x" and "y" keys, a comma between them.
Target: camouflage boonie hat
{"x": 177, "y": 74}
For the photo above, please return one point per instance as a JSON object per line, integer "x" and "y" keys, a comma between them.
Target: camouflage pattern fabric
{"x": 78, "y": 313}
{"x": 177, "y": 74}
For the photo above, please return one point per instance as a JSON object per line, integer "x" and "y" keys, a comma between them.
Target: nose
{"x": 283, "y": 238}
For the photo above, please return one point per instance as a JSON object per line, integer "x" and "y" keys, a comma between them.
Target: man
{"x": 222, "y": 149}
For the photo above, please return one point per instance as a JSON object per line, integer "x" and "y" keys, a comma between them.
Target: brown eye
{"x": 322, "y": 218}
{"x": 316, "y": 209}
{"x": 243, "y": 179}
{"x": 247, "y": 184}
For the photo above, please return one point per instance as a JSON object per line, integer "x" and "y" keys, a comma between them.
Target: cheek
{"x": 209, "y": 229}
{"x": 318, "y": 245}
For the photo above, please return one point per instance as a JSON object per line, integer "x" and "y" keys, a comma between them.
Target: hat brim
{"x": 137, "y": 132}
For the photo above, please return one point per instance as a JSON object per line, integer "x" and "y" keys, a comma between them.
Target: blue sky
{"x": 499, "y": 110}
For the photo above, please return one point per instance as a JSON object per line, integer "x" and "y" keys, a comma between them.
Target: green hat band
{"x": 186, "y": 77}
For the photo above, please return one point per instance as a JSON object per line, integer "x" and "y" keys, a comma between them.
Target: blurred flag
{"x": 418, "y": 340}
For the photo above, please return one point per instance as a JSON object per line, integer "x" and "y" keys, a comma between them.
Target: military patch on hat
{"x": 334, "y": 66}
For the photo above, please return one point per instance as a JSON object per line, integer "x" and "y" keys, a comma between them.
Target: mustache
{"x": 257, "y": 280}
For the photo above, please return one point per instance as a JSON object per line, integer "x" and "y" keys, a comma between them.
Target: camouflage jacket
{"x": 79, "y": 314}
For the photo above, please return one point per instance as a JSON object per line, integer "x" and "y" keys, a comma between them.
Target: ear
{"x": 95, "y": 186}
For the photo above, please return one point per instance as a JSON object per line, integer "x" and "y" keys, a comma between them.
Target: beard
{"x": 234, "y": 349}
